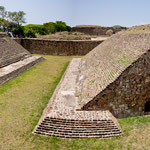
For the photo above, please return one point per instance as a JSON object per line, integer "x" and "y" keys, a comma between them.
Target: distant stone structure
{"x": 14, "y": 59}
{"x": 91, "y": 29}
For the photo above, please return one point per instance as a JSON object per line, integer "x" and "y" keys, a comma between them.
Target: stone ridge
{"x": 103, "y": 65}
{"x": 11, "y": 51}
{"x": 61, "y": 119}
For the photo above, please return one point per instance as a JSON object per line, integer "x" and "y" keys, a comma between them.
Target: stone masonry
{"x": 14, "y": 59}
{"x": 58, "y": 48}
{"x": 61, "y": 119}
{"x": 115, "y": 76}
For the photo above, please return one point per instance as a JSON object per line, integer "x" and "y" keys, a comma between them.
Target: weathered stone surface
{"x": 11, "y": 51}
{"x": 115, "y": 75}
{"x": 3, "y": 34}
{"x": 9, "y": 72}
{"x": 14, "y": 59}
{"x": 93, "y": 29}
{"x": 61, "y": 48}
{"x": 61, "y": 119}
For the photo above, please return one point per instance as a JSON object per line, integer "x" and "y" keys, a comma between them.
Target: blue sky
{"x": 78, "y": 12}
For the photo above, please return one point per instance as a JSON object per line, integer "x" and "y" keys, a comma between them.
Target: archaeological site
{"x": 110, "y": 81}
{"x": 75, "y": 75}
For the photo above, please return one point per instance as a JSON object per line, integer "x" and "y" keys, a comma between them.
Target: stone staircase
{"x": 62, "y": 119}
{"x": 65, "y": 128}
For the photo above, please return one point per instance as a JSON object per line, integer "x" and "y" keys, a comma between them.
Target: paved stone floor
{"x": 63, "y": 106}
{"x": 14, "y": 69}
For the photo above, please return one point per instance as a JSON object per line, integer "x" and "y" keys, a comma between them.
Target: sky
{"x": 83, "y": 12}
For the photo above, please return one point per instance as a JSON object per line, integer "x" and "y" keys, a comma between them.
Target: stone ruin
{"x": 95, "y": 30}
{"x": 91, "y": 29}
{"x": 14, "y": 59}
{"x": 115, "y": 76}
{"x": 112, "y": 80}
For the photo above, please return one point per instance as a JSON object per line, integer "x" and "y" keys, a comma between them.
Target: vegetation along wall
{"x": 62, "y": 48}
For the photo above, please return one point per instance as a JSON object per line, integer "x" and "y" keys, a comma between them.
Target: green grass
{"x": 23, "y": 99}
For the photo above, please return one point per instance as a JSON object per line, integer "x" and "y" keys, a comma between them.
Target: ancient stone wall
{"x": 127, "y": 95}
{"x": 52, "y": 47}
{"x": 91, "y": 30}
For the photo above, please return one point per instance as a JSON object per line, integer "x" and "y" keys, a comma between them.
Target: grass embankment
{"x": 23, "y": 100}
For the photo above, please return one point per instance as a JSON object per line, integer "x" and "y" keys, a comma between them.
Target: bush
{"x": 50, "y": 27}
{"x": 30, "y": 33}
{"x": 109, "y": 32}
{"x": 38, "y": 29}
{"x": 17, "y": 31}
{"x": 59, "y": 26}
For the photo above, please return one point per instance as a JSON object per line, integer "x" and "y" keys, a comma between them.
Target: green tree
{"x": 17, "y": 17}
{"x": 38, "y": 29}
{"x": 60, "y": 26}
{"x": 3, "y": 12}
{"x": 50, "y": 26}
{"x": 30, "y": 33}
{"x": 18, "y": 31}
{"x": 4, "y": 24}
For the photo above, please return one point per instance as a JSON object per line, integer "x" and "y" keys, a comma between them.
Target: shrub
{"x": 30, "y": 33}
{"x": 17, "y": 30}
{"x": 50, "y": 26}
{"x": 39, "y": 29}
{"x": 109, "y": 32}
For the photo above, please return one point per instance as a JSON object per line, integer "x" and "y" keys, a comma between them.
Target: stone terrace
{"x": 61, "y": 119}
{"x": 14, "y": 59}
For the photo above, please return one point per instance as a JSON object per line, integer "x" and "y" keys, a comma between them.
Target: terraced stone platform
{"x": 61, "y": 118}
{"x": 9, "y": 72}
{"x": 14, "y": 59}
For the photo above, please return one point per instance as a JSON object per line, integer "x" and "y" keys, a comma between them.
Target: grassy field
{"x": 23, "y": 99}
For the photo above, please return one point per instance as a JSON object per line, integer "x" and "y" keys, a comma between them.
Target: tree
{"x": 38, "y": 29}
{"x": 60, "y": 26}
{"x": 17, "y": 17}
{"x": 11, "y": 22}
{"x": 50, "y": 26}
{"x": 4, "y": 24}
{"x": 3, "y": 12}
{"x": 18, "y": 31}
{"x": 30, "y": 33}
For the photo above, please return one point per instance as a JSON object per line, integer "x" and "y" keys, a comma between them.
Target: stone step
{"x": 66, "y": 128}
{"x": 78, "y": 123}
{"x": 72, "y": 120}
{"x": 64, "y": 135}
{"x": 77, "y": 127}
{"x": 77, "y": 131}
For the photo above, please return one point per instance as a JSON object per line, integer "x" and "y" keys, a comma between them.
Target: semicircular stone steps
{"x": 65, "y": 128}
{"x": 61, "y": 118}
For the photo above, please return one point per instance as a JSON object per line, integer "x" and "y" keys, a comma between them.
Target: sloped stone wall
{"x": 63, "y": 48}
{"x": 127, "y": 95}
{"x": 11, "y": 52}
